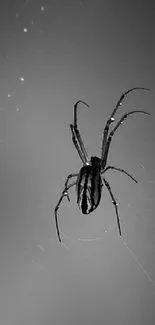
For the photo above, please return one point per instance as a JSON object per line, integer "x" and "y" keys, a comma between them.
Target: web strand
{"x": 124, "y": 242}
{"x": 137, "y": 261}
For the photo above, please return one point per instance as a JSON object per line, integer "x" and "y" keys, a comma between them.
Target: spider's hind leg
{"x": 64, "y": 193}
{"x": 114, "y": 203}
{"x": 120, "y": 170}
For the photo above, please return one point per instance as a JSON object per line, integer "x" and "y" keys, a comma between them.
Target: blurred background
{"x": 52, "y": 54}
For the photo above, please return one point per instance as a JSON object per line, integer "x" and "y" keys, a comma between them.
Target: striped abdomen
{"x": 88, "y": 188}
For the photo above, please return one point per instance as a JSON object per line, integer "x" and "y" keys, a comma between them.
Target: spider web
{"x": 74, "y": 239}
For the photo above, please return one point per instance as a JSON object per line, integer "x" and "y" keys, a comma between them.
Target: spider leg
{"x": 83, "y": 158}
{"x": 120, "y": 170}
{"x": 106, "y": 150}
{"x": 111, "y": 119}
{"x": 114, "y": 203}
{"x": 77, "y": 140}
{"x": 66, "y": 183}
{"x": 64, "y": 193}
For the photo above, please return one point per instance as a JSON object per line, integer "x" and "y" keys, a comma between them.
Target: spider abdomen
{"x": 88, "y": 189}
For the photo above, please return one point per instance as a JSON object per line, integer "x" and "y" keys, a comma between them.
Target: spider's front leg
{"x": 76, "y": 137}
{"x": 111, "y": 120}
{"x": 124, "y": 117}
{"x": 64, "y": 193}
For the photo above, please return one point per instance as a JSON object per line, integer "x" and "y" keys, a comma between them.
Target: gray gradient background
{"x": 93, "y": 51}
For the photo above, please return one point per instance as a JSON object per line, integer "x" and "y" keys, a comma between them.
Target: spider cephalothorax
{"x": 89, "y": 180}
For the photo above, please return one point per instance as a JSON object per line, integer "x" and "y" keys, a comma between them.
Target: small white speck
{"x": 22, "y": 79}
{"x": 9, "y": 96}
{"x": 42, "y": 8}
{"x": 17, "y": 109}
{"x": 25, "y": 30}
{"x": 112, "y": 119}
{"x": 142, "y": 166}
{"x": 42, "y": 249}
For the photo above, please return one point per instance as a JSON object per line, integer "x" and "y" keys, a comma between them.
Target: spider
{"x": 89, "y": 181}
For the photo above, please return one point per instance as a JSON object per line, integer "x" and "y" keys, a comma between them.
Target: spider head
{"x": 95, "y": 163}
